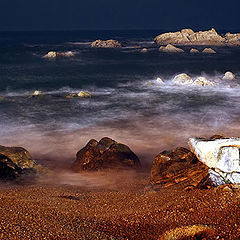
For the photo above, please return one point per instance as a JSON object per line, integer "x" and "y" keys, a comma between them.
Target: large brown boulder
{"x": 179, "y": 166}
{"x": 189, "y": 37}
{"x": 105, "y": 154}
{"x": 106, "y": 44}
{"x": 15, "y": 162}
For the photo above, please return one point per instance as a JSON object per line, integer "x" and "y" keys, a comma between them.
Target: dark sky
{"x": 118, "y": 14}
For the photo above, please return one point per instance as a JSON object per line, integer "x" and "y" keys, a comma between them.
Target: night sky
{"x": 118, "y": 14}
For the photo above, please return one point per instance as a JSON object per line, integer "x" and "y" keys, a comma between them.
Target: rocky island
{"x": 189, "y": 37}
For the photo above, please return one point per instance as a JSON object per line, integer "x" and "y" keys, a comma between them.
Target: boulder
{"x": 36, "y": 93}
{"x": 159, "y": 81}
{"x": 179, "y": 166}
{"x": 229, "y": 76}
{"x": 15, "y": 162}
{"x": 105, "y": 154}
{"x": 106, "y": 44}
{"x": 202, "y": 81}
{"x": 189, "y": 37}
{"x": 182, "y": 79}
{"x": 209, "y": 50}
{"x": 221, "y": 155}
{"x": 54, "y": 55}
{"x": 170, "y": 49}
{"x": 81, "y": 94}
{"x": 194, "y": 50}
{"x": 144, "y": 50}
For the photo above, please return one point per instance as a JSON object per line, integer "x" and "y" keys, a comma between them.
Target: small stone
{"x": 170, "y": 49}
{"x": 194, "y": 50}
{"x": 209, "y": 50}
{"x": 229, "y": 76}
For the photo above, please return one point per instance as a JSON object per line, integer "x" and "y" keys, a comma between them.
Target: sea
{"x": 127, "y": 104}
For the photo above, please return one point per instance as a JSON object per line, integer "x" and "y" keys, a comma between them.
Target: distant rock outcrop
{"x": 202, "y": 81}
{"x": 54, "y": 55}
{"x": 81, "y": 94}
{"x": 106, "y": 44}
{"x": 15, "y": 162}
{"x": 182, "y": 79}
{"x": 36, "y": 93}
{"x": 189, "y": 37}
{"x": 170, "y": 49}
{"x": 209, "y": 51}
{"x": 105, "y": 154}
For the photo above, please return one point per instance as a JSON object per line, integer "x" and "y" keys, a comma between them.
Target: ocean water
{"x": 127, "y": 103}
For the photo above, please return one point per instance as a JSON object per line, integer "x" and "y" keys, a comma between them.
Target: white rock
{"x": 221, "y": 156}
{"x": 53, "y": 55}
{"x": 182, "y": 79}
{"x": 202, "y": 81}
{"x": 229, "y": 76}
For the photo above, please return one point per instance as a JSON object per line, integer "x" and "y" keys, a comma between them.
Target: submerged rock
{"x": 179, "y": 166}
{"x": 182, "y": 79}
{"x": 221, "y": 156}
{"x": 105, "y": 154}
{"x": 106, "y": 44}
{"x": 144, "y": 50}
{"x": 15, "y": 162}
{"x": 229, "y": 76}
{"x": 170, "y": 49}
{"x": 209, "y": 50}
{"x": 194, "y": 50}
{"x": 53, "y": 54}
{"x": 81, "y": 94}
{"x": 189, "y": 37}
{"x": 202, "y": 81}
{"x": 36, "y": 93}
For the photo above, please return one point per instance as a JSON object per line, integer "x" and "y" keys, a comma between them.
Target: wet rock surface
{"x": 106, "y": 44}
{"x": 177, "y": 167}
{"x": 15, "y": 162}
{"x": 105, "y": 154}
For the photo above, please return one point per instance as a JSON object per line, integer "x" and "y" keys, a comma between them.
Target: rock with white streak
{"x": 221, "y": 156}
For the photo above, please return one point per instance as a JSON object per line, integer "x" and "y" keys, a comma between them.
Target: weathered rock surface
{"x": 106, "y": 44}
{"x": 53, "y": 54}
{"x": 229, "y": 76}
{"x": 179, "y": 166}
{"x": 209, "y": 50}
{"x": 221, "y": 156}
{"x": 170, "y": 49}
{"x": 202, "y": 81}
{"x": 105, "y": 154}
{"x": 81, "y": 94}
{"x": 182, "y": 79}
{"x": 15, "y": 162}
{"x": 189, "y": 37}
{"x": 194, "y": 50}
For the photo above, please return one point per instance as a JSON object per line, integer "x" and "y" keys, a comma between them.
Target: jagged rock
{"x": 182, "y": 79}
{"x": 15, "y": 162}
{"x": 170, "y": 49}
{"x": 36, "y": 93}
{"x": 202, "y": 81}
{"x": 232, "y": 39}
{"x": 81, "y": 94}
{"x": 194, "y": 50}
{"x": 229, "y": 76}
{"x": 179, "y": 166}
{"x": 189, "y": 37}
{"x": 159, "y": 81}
{"x": 105, "y": 154}
{"x": 221, "y": 156}
{"x": 53, "y": 54}
{"x": 106, "y": 44}
{"x": 209, "y": 50}
{"x": 144, "y": 50}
